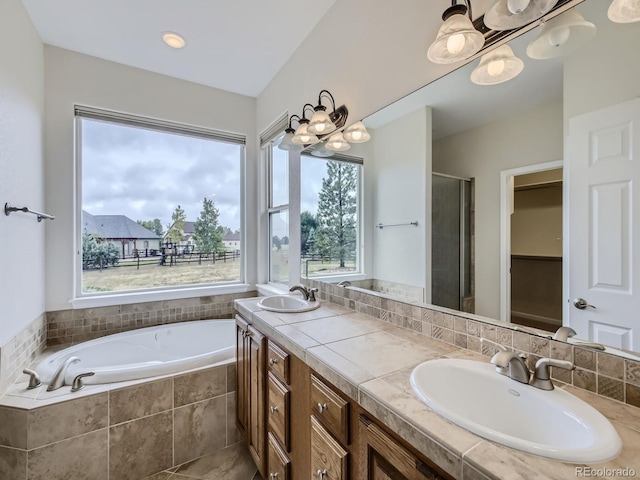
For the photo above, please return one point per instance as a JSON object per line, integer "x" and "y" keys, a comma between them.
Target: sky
{"x": 145, "y": 174}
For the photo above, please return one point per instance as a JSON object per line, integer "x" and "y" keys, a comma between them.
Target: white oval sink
{"x": 287, "y": 304}
{"x": 553, "y": 424}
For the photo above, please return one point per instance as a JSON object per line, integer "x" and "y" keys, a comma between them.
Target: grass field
{"x": 152, "y": 275}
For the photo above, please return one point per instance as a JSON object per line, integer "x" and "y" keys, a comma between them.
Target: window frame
{"x": 95, "y": 299}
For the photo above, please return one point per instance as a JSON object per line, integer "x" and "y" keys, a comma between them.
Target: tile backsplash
{"x": 79, "y": 325}
{"x": 601, "y": 373}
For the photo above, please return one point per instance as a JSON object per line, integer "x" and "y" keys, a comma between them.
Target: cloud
{"x": 145, "y": 174}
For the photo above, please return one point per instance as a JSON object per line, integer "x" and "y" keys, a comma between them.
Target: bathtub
{"x": 146, "y": 352}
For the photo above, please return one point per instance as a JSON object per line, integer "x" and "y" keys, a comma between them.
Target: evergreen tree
{"x": 336, "y": 232}
{"x": 174, "y": 231}
{"x": 154, "y": 225}
{"x": 208, "y": 234}
{"x": 97, "y": 254}
{"x": 308, "y": 224}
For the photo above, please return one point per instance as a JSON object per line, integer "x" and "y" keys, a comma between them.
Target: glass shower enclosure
{"x": 452, "y": 236}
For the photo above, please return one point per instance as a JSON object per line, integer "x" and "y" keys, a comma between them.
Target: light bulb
{"x": 517, "y": 6}
{"x": 321, "y": 127}
{"x": 559, "y": 36}
{"x": 356, "y": 135}
{"x": 455, "y": 43}
{"x": 495, "y": 67}
{"x": 305, "y": 138}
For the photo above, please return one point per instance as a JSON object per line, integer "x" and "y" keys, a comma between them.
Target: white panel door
{"x": 602, "y": 175}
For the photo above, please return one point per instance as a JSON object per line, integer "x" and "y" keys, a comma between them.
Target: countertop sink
{"x": 287, "y": 304}
{"x": 553, "y": 424}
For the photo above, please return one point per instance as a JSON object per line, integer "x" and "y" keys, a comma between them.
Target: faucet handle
{"x": 312, "y": 294}
{"x": 34, "y": 379}
{"x": 77, "y": 382}
{"x": 541, "y": 377}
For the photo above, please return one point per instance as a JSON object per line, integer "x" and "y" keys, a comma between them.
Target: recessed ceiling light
{"x": 173, "y": 40}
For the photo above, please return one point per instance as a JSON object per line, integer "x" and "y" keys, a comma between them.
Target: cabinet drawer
{"x": 278, "y": 410}
{"x": 279, "y": 463}
{"x": 332, "y": 410}
{"x": 278, "y": 362}
{"x": 328, "y": 458}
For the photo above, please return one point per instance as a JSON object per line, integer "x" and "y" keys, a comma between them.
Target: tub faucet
{"x": 343, "y": 283}
{"x": 308, "y": 294}
{"x": 58, "y": 377}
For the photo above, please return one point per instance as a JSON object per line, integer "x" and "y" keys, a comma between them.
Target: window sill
{"x": 266, "y": 289}
{"x": 337, "y": 278}
{"x": 127, "y": 298}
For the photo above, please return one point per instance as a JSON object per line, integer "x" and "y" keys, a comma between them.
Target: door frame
{"x": 506, "y": 205}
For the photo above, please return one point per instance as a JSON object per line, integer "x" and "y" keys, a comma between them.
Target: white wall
{"x": 72, "y": 78}
{"x": 21, "y": 170}
{"x": 402, "y": 186}
{"x": 481, "y": 153}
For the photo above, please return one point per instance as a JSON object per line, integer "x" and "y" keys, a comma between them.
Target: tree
{"x": 96, "y": 253}
{"x": 276, "y": 242}
{"x": 175, "y": 230}
{"x": 154, "y": 225}
{"x": 208, "y": 234}
{"x": 308, "y": 224}
{"x": 336, "y": 232}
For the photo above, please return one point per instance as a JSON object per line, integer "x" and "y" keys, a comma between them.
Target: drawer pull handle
{"x": 321, "y": 474}
{"x": 273, "y": 476}
{"x": 273, "y": 409}
{"x": 321, "y": 408}
{"x": 273, "y": 361}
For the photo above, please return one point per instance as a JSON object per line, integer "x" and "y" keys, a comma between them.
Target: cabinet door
{"x": 328, "y": 458}
{"x": 256, "y": 435}
{"x": 382, "y": 458}
{"x": 279, "y": 463}
{"x": 242, "y": 376}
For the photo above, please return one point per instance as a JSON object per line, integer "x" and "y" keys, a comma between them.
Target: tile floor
{"x": 232, "y": 463}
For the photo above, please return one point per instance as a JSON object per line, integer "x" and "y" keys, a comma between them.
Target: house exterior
{"x": 122, "y": 232}
{"x": 186, "y": 243}
{"x": 231, "y": 242}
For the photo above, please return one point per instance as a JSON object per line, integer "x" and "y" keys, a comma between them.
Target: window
{"x": 156, "y": 200}
{"x": 278, "y": 162}
{"x": 329, "y": 216}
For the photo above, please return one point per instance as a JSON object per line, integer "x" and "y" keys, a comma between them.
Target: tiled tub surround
{"x": 371, "y": 360}
{"x": 79, "y": 325}
{"x": 20, "y": 351}
{"x": 120, "y": 431}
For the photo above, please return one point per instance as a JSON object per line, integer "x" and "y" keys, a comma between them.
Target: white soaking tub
{"x": 146, "y": 352}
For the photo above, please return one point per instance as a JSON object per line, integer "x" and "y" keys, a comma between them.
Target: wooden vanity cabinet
{"x": 251, "y": 390}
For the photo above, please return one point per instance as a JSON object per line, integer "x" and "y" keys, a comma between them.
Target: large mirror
{"x": 484, "y": 172}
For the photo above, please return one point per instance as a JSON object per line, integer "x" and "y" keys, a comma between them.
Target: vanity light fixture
{"x": 624, "y": 11}
{"x": 321, "y": 123}
{"x": 337, "y": 143}
{"x": 320, "y": 150}
{"x": 457, "y": 38}
{"x": 356, "y": 133}
{"x": 497, "y": 66}
{"x": 286, "y": 143}
{"x": 509, "y": 14}
{"x": 174, "y": 40}
{"x": 561, "y": 35}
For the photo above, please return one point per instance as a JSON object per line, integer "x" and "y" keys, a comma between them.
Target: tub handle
{"x": 77, "y": 382}
{"x": 34, "y": 379}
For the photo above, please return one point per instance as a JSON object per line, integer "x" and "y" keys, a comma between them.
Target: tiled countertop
{"x": 371, "y": 361}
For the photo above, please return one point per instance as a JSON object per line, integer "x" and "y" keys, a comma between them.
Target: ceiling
{"x": 233, "y": 45}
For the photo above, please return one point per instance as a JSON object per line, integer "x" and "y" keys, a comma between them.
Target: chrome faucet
{"x": 343, "y": 283}
{"x": 541, "y": 377}
{"x": 564, "y": 333}
{"x": 508, "y": 363}
{"x": 308, "y": 294}
{"x": 58, "y": 377}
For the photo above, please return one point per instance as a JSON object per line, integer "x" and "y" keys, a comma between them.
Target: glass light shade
{"x": 624, "y": 11}
{"x": 286, "y": 144}
{"x": 508, "y": 14}
{"x": 356, "y": 133}
{"x": 320, "y": 150}
{"x": 320, "y": 123}
{"x": 303, "y": 136}
{"x": 337, "y": 143}
{"x": 457, "y": 39}
{"x": 497, "y": 66}
{"x": 561, "y": 35}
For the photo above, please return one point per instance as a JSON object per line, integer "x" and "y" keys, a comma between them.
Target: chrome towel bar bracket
{"x": 9, "y": 209}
